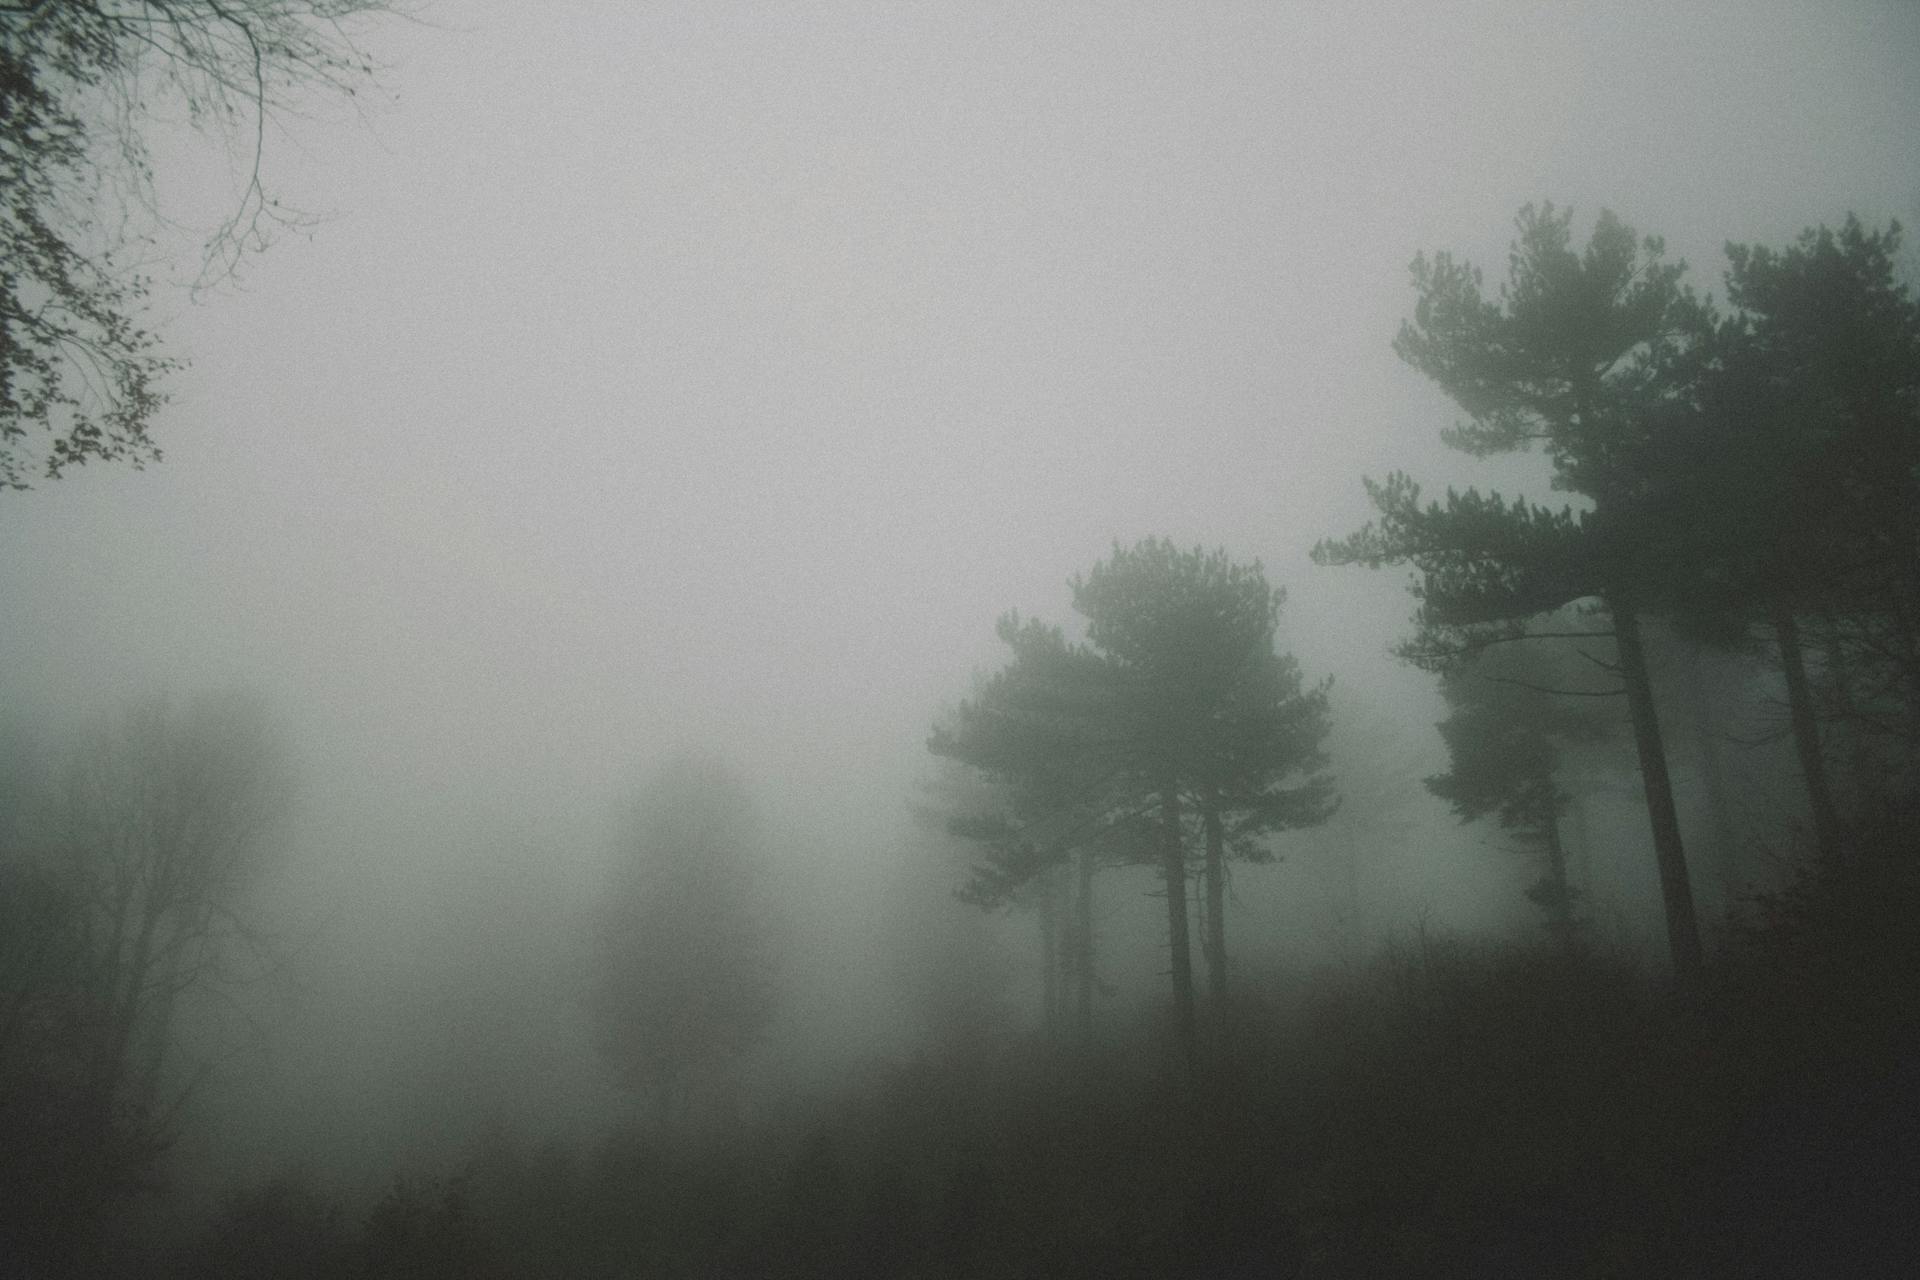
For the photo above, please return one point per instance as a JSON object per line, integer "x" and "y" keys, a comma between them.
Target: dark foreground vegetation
{"x": 1452, "y": 1109}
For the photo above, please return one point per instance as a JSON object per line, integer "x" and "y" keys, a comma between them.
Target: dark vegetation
{"x": 1452, "y": 1109}
{"x": 81, "y": 377}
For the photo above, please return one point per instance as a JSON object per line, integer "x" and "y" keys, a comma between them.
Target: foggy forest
{"x": 1262, "y": 639}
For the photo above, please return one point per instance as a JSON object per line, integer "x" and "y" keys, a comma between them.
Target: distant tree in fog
{"x": 1379, "y": 761}
{"x": 951, "y": 964}
{"x": 124, "y": 883}
{"x": 684, "y": 984}
{"x": 1513, "y": 706}
{"x": 1038, "y": 735}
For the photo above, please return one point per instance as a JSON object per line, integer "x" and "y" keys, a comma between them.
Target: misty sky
{"x": 716, "y": 373}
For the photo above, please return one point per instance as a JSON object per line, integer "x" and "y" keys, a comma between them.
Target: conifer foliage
{"x": 1514, "y": 708}
{"x": 1589, "y": 354}
{"x": 1802, "y": 489}
{"x": 1177, "y": 713}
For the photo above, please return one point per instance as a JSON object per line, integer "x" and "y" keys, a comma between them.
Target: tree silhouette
{"x": 684, "y": 985}
{"x": 124, "y": 901}
{"x": 1041, "y": 731}
{"x": 78, "y": 83}
{"x": 1513, "y": 706}
{"x": 1210, "y": 710}
{"x": 1588, "y": 354}
{"x": 1177, "y": 707}
{"x": 1802, "y": 481}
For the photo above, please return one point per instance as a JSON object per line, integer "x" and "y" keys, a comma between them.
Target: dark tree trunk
{"x": 1049, "y": 955}
{"x": 1806, "y": 733}
{"x": 1561, "y": 910}
{"x": 1676, "y": 892}
{"x": 1173, "y": 870}
{"x": 1713, "y": 775}
{"x": 1215, "y": 942}
{"x": 1083, "y": 949}
{"x": 1353, "y": 926}
{"x": 1583, "y": 842}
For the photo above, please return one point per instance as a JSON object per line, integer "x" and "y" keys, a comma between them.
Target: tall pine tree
{"x": 1801, "y": 482}
{"x": 1588, "y": 354}
{"x": 1176, "y": 712}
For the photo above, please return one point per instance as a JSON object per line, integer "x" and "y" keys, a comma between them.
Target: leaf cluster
{"x": 1576, "y": 348}
{"x": 1509, "y": 718}
{"x": 1486, "y": 564}
{"x": 1594, "y": 353}
{"x": 79, "y": 83}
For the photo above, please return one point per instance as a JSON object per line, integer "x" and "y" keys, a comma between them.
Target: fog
{"x": 703, "y": 381}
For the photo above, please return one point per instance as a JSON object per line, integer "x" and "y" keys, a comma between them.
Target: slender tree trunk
{"x": 1562, "y": 909}
{"x": 1676, "y": 892}
{"x": 1215, "y": 942}
{"x": 1713, "y": 774}
{"x": 1173, "y": 870}
{"x": 1583, "y": 840}
{"x": 126, "y": 1007}
{"x": 1353, "y": 933}
{"x": 1806, "y": 732}
{"x": 1840, "y": 664}
{"x": 1083, "y": 949}
{"x": 1049, "y": 956}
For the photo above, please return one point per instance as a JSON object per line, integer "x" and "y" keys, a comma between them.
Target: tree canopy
{"x": 1177, "y": 705}
{"x": 1513, "y": 707}
{"x": 124, "y": 881}
{"x": 1593, "y": 355}
{"x": 78, "y": 81}
{"x": 1804, "y": 464}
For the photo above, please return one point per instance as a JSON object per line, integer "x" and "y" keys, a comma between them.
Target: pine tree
{"x": 1210, "y": 718}
{"x": 1176, "y": 711}
{"x": 1589, "y": 355}
{"x": 1802, "y": 482}
{"x": 1040, "y": 731}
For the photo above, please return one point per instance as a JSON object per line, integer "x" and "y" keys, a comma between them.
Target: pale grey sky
{"x": 718, "y": 372}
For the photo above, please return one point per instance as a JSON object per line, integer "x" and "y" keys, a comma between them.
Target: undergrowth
{"x": 1452, "y": 1109}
